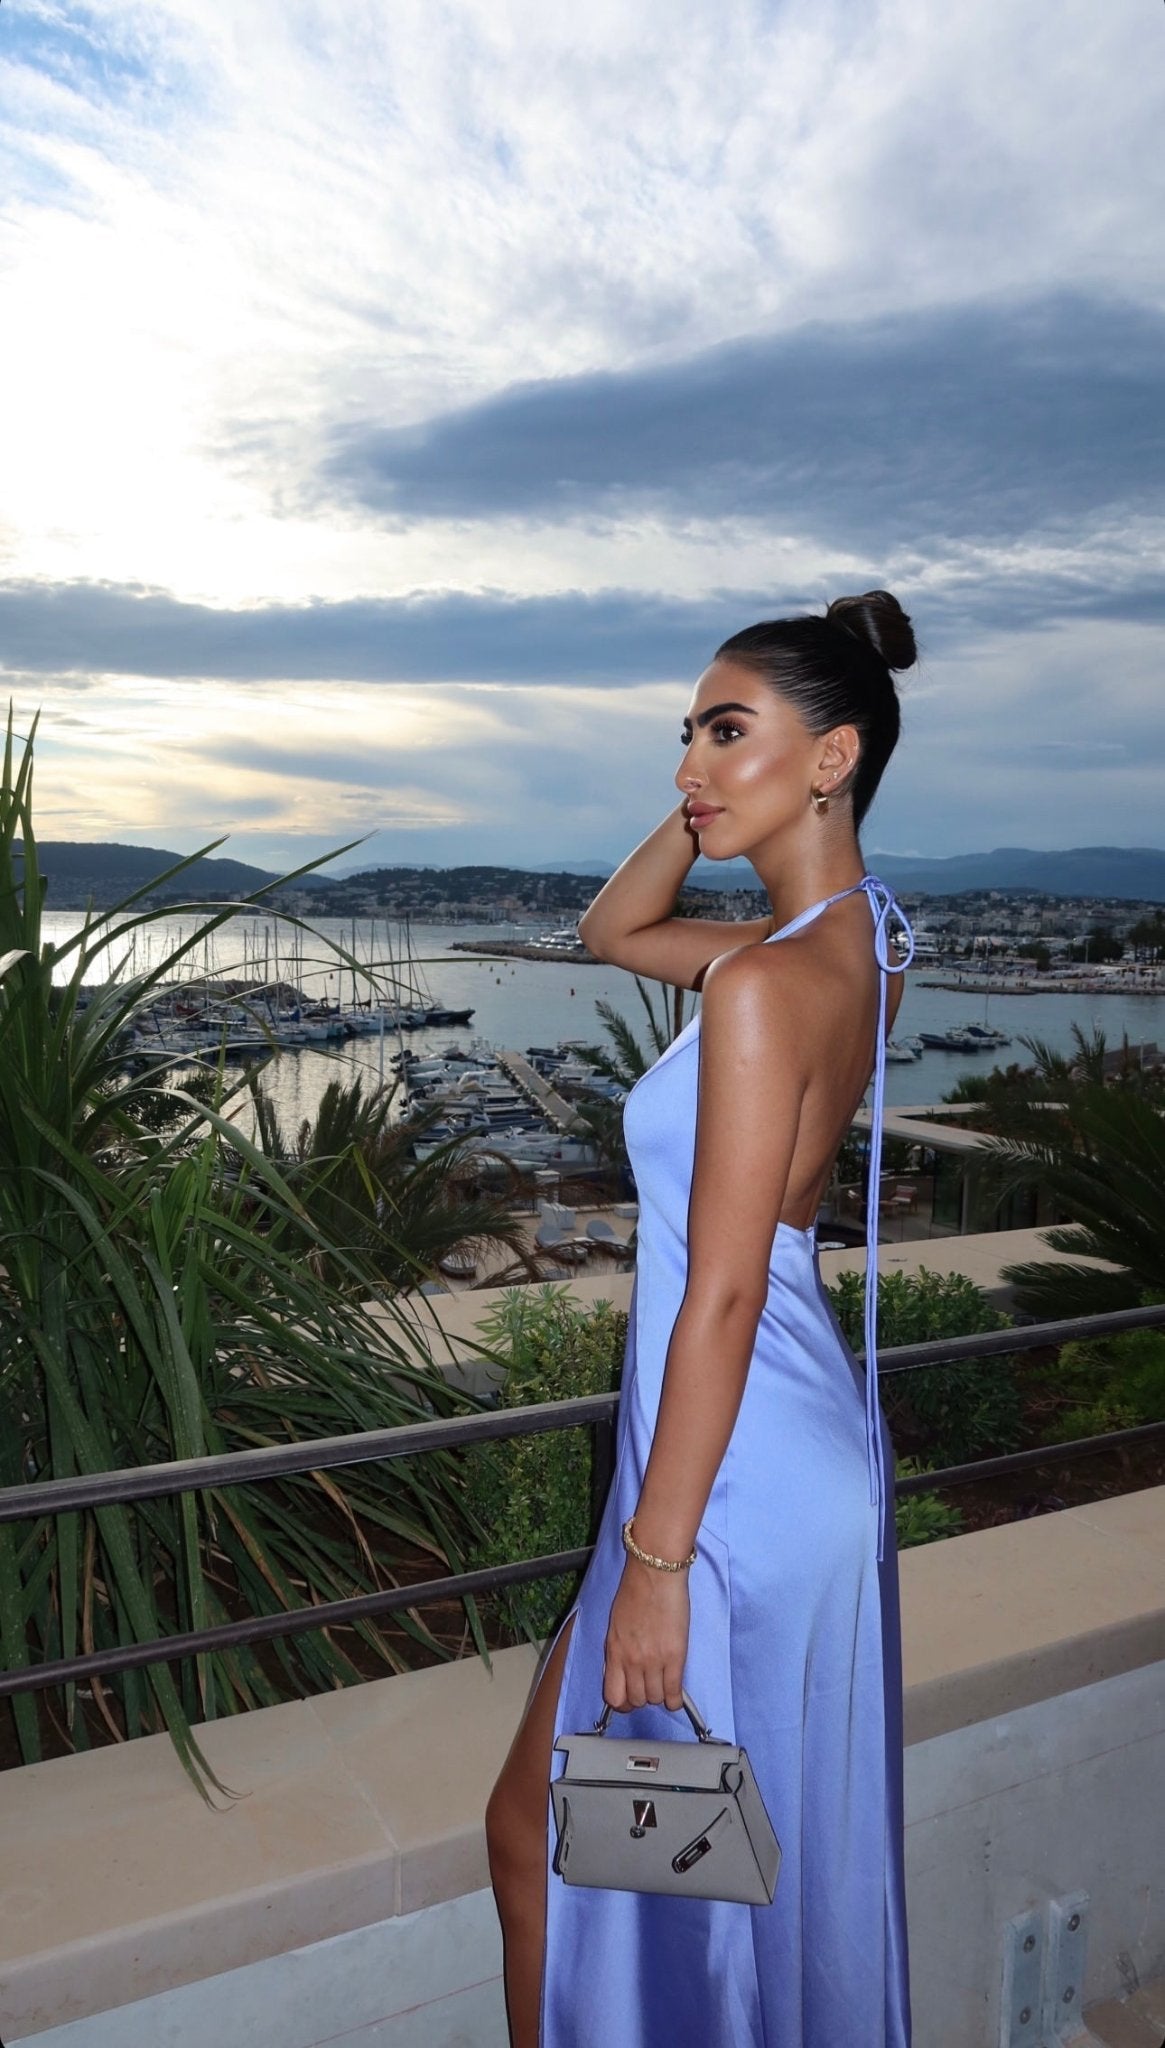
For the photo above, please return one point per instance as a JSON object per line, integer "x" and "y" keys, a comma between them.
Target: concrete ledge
{"x": 117, "y": 1883}
{"x": 1004, "y": 1617}
{"x": 979, "y": 1256}
{"x": 431, "y": 1979}
{"x": 447, "y": 1323}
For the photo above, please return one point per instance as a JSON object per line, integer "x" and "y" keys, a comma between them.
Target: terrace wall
{"x": 342, "y": 1898}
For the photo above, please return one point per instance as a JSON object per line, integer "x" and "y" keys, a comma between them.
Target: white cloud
{"x": 229, "y": 229}
{"x": 1041, "y": 739}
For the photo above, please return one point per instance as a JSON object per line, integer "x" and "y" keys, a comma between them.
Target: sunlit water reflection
{"x": 523, "y": 1002}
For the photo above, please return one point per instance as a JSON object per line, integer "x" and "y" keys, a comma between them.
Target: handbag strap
{"x": 690, "y": 1708}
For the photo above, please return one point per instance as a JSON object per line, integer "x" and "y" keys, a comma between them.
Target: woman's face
{"x": 750, "y": 761}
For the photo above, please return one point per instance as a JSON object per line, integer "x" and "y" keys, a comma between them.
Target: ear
{"x": 838, "y": 757}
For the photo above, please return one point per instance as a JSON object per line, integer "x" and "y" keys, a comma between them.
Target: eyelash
{"x": 719, "y": 726}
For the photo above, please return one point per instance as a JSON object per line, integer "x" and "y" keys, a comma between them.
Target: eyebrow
{"x": 716, "y": 709}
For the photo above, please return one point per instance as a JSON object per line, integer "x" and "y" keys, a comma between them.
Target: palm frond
{"x": 171, "y": 1285}
{"x": 1100, "y": 1156}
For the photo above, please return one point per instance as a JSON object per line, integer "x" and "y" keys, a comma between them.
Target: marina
{"x": 276, "y": 1003}
{"x": 514, "y": 1002}
{"x": 496, "y": 1101}
{"x": 245, "y": 1017}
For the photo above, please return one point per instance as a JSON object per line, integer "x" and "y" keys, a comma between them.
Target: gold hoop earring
{"x": 819, "y": 801}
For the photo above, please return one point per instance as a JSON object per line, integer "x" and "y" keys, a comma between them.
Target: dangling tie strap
{"x": 885, "y": 908}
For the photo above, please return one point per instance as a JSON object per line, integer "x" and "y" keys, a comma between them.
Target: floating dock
{"x": 553, "y": 1106}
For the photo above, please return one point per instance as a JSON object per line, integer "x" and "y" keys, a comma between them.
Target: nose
{"x": 686, "y": 779}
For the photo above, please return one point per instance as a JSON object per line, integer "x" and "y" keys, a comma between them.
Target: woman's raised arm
{"x": 753, "y": 1076}
{"x": 631, "y": 921}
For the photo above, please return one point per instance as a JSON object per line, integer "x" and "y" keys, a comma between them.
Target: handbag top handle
{"x": 693, "y": 1713}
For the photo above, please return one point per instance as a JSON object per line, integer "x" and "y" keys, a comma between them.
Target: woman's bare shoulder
{"x": 759, "y": 1003}
{"x": 791, "y": 994}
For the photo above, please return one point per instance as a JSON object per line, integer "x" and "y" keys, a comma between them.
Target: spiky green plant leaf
{"x": 169, "y": 1288}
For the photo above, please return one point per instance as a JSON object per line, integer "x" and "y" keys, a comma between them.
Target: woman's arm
{"x": 631, "y": 921}
{"x": 758, "y": 1019}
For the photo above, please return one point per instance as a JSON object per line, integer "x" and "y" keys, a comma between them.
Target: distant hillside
{"x": 1133, "y": 872}
{"x": 475, "y": 878}
{"x": 445, "y": 892}
{"x": 79, "y": 872}
{"x": 595, "y": 866}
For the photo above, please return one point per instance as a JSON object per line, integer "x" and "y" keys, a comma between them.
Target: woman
{"x": 747, "y": 1434}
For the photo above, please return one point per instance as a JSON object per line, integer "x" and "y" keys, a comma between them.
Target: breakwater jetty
{"x": 524, "y": 949}
{"x": 1149, "y": 984}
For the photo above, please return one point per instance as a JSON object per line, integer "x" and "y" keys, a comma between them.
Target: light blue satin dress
{"x": 794, "y": 1647}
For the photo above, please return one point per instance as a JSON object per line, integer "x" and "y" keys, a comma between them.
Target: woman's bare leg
{"x": 515, "y": 1827}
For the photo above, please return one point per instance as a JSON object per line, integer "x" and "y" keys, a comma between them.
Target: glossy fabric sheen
{"x": 794, "y": 1651}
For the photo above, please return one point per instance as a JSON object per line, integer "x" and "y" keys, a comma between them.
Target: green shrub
{"x": 1091, "y": 1418}
{"x": 533, "y": 1494}
{"x": 922, "y": 1517}
{"x": 948, "y": 1414}
{"x": 1109, "y": 1383}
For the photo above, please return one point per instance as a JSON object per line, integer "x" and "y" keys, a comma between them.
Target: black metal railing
{"x": 597, "y": 1411}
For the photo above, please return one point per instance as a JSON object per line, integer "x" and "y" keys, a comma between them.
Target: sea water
{"x": 538, "y": 1002}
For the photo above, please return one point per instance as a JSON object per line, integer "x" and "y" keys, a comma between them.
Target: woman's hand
{"x": 647, "y": 1638}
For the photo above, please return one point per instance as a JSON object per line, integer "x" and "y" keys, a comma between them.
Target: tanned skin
{"x": 787, "y": 1039}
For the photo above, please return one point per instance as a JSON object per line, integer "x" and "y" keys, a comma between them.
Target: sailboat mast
{"x": 418, "y": 985}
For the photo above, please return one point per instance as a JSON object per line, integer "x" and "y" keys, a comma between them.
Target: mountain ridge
{"x": 1133, "y": 872}
{"x": 103, "y": 870}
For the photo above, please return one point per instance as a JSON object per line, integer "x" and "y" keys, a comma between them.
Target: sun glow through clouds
{"x": 354, "y": 358}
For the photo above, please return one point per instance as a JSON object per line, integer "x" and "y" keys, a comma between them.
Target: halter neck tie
{"x": 885, "y": 907}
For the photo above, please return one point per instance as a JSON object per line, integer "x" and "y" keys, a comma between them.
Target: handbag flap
{"x": 625, "y": 1760}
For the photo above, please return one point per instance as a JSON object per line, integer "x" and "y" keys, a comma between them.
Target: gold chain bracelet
{"x": 660, "y": 1564}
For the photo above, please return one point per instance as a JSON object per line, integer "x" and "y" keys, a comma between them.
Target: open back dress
{"x": 794, "y": 1646}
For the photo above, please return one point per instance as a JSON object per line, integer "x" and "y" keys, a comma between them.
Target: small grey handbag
{"x": 680, "y": 1817}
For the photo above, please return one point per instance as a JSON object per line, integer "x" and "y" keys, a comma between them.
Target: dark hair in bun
{"x": 836, "y": 671}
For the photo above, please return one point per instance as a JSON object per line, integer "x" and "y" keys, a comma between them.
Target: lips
{"x": 700, "y": 815}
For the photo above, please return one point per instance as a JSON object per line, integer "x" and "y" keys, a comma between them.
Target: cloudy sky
{"x": 400, "y": 402}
